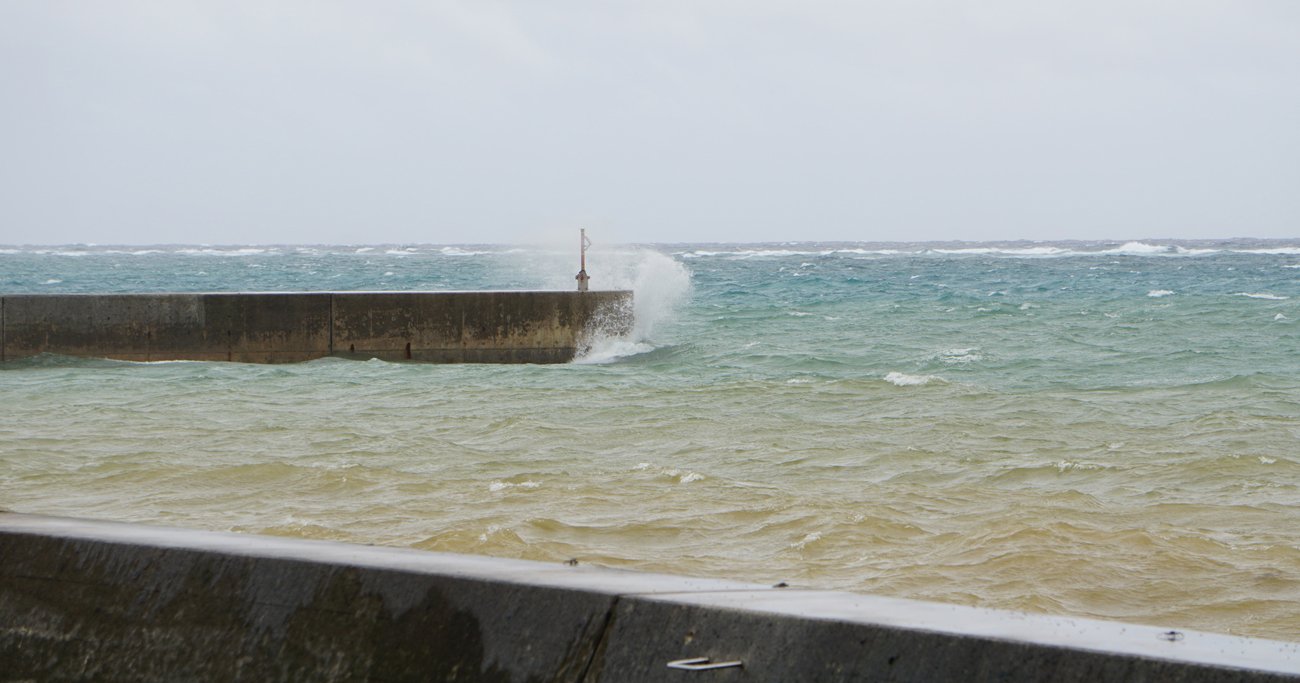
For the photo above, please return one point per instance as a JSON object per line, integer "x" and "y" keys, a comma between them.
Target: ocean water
{"x": 1098, "y": 429}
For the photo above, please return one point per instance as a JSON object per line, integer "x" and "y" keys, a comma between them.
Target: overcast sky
{"x": 135, "y": 122}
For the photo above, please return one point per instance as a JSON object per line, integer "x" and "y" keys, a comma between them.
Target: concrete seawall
{"x": 91, "y": 600}
{"x": 441, "y": 327}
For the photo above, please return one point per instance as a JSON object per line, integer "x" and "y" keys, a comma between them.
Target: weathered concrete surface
{"x": 82, "y": 599}
{"x": 486, "y": 327}
{"x": 471, "y": 327}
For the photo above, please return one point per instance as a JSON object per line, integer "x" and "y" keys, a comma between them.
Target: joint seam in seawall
{"x": 602, "y": 642}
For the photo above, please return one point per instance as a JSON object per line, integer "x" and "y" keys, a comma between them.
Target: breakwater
{"x": 441, "y": 327}
{"x": 83, "y": 599}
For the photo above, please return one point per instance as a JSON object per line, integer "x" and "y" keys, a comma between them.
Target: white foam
{"x": 870, "y": 252}
{"x": 1276, "y": 251}
{"x": 1006, "y": 251}
{"x": 1139, "y": 249}
{"x": 611, "y": 349}
{"x": 1279, "y": 317}
{"x": 1132, "y": 248}
{"x": 660, "y": 285}
{"x": 903, "y": 380}
{"x": 809, "y": 538}
{"x": 52, "y": 281}
{"x": 1269, "y": 297}
{"x": 457, "y": 251}
{"x": 211, "y": 251}
{"x": 955, "y": 356}
{"x": 503, "y": 485}
{"x": 1067, "y": 465}
{"x": 1157, "y": 293}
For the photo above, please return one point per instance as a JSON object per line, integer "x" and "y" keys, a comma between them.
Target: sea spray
{"x": 660, "y": 286}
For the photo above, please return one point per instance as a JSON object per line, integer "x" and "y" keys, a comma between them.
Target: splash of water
{"x": 659, "y": 284}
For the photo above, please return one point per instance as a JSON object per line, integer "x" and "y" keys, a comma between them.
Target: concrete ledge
{"x": 281, "y": 327}
{"x": 82, "y": 599}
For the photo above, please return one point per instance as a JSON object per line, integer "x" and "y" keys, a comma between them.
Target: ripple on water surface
{"x": 1114, "y": 435}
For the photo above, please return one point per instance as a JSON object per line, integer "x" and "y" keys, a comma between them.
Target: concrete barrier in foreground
{"x": 282, "y": 327}
{"x": 101, "y": 600}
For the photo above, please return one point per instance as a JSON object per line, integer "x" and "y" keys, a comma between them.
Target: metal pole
{"x": 582, "y": 277}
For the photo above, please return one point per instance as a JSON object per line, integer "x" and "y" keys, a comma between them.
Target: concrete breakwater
{"x": 441, "y": 327}
{"x": 90, "y": 600}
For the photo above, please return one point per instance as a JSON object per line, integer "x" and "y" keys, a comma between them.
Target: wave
{"x": 233, "y": 251}
{"x": 612, "y": 349}
{"x": 993, "y": 249}
{"x": 1262, "y": 295}
{"x": 458, "y": 251}
{"x": 1278, "y": 251}
{"x": 899, "y": 379}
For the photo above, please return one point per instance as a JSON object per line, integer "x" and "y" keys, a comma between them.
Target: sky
{"x": 422, "y": 121}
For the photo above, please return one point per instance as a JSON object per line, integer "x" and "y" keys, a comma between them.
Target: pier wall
{"x": 99, "y": 600}
{"x": 442, "y": 327}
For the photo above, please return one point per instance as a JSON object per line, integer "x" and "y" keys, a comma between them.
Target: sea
{"x": 1098, "y": 429}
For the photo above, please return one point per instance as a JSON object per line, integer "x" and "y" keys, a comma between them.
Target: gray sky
{"x": 661, "y": 121}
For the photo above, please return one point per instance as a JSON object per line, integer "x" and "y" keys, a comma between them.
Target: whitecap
{"x": 52, "y": 281}
{"x": 503, "y": 485}
{"x": 798, "y": 314}
{"x": 969, "y": 355}
{"x": 1279, "y": 317}
{"x": 1138, "y": 249}
{"x": 491, "y": 530}
{"x": 690, "y": 477}
{"x": 1262, "y": 295}
{"x": 1157, "y": 293}
{"x": 457, "y": 251}
{"x": 1005, "y": 251}
{"x": 1067, "y": 465}
{"x": 810, "y": 538}
{"x": 904, "y": 380}
{"x": 1265, "y": 460}
{"x": 1277, "y": 251}
{"x": 211, "y": 251}
{"x": 610, "y": 349}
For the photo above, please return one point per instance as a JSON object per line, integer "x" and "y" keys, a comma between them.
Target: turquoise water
{"x": 1099, "y": 429}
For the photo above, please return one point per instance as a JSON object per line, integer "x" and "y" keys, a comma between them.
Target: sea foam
{"x": 903, "y": 380}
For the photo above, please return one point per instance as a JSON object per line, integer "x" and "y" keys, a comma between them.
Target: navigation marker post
{"x": 582, "y": 276}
